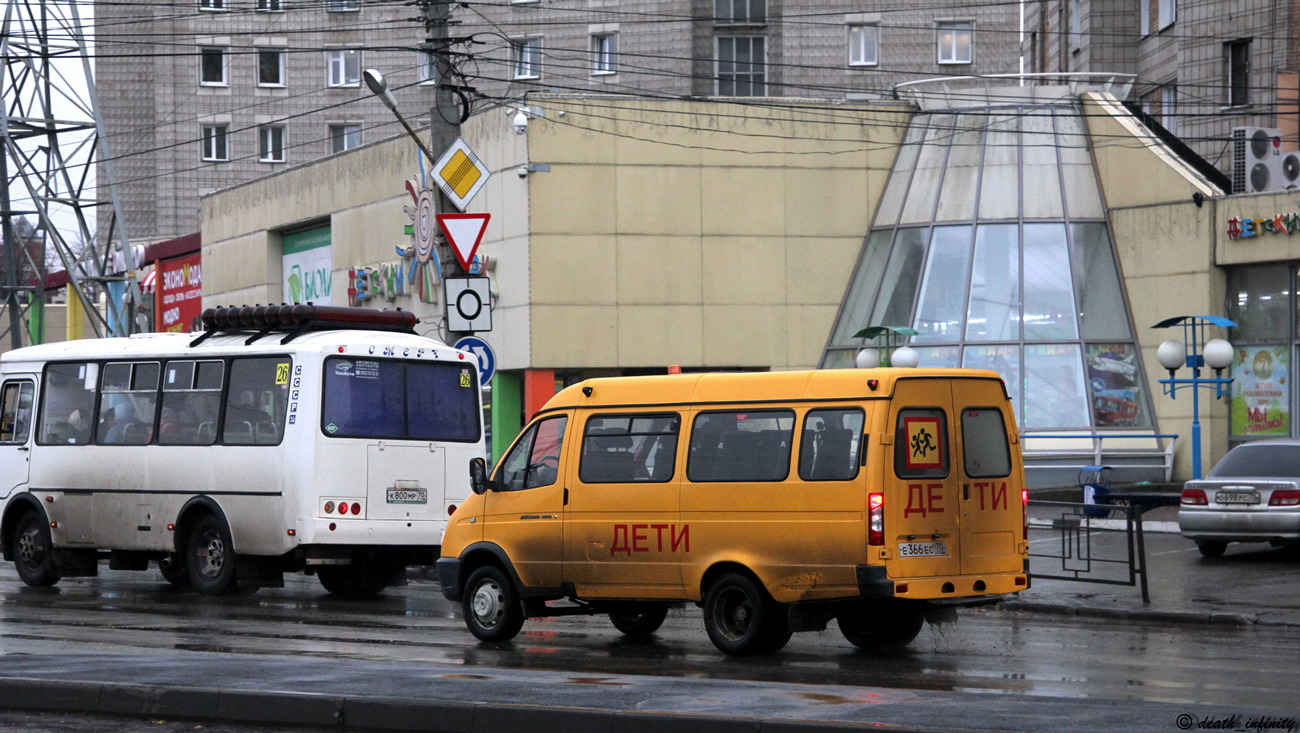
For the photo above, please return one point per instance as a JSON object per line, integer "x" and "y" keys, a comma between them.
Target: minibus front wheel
{"x": 741, "y": 619}
{"x": 491, "y": 606}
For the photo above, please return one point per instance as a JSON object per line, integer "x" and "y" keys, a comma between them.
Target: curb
{"x": 319, "y": 711}
{"x": 1217, "y": 618}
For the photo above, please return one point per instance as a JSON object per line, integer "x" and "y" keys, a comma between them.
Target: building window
{"x": 1158, "y": 15}
{"x": 344, "y": 137}
{"x": 1169, "y": 107}
{"x": 343, "y": 6}
{"x": 1076, "y": 24}
{"x": 270, "y": 68}
{"x": 955, "y": 42}
{"x": 270, "y": 6}
{"x": 1237, "y": 58}
{"x": 270, "y": 144}
{"x": 215, "y": 143}
{"x": 739, "y": 12}
{"x": 428, "y": 68}
{"x": 741, "y": 66}
{"x": 212, "y": 67}
{"x": 604, "y": 53}
{"x": 212, "y": 5}
{"x": 344, "y": 67}
{"x": 526, "y": 58}
{"x": 864, "y": 44}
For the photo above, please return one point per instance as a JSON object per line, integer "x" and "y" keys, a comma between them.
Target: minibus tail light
{"x": 876, "y": 516}
{"x": 1024, "y": 504}
{"x": 1194, "y": 497}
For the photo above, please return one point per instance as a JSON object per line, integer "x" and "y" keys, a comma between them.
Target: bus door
{"x": 524, "y": 515}
{"x": 17, "y": 411}
{"x": 922, "y": 531}
{"x": 992, "y": 512}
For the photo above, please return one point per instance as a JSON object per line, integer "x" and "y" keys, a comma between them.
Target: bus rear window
{"x": 374, "y": 398}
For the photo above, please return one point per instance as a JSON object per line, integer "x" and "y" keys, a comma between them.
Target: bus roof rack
{"x": 300, "y": 318}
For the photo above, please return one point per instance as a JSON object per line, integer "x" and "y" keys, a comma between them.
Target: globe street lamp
{"x": 1215, "y": 354}
{"x": 892, "y": 354}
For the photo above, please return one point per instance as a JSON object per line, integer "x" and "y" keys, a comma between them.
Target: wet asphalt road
{"x": 986, "y": 651}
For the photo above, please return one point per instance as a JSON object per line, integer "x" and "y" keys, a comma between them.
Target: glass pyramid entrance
{"x": 991, "y": 241}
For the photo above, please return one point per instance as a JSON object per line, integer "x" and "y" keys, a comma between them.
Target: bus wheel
{"x": 359, "y": 580}
{"x": 173, "y": 570}
{"x": 211, "y": 557}
{"x": 491, "y": 607}
{"x": 881, "y": 625}
{"x": 639, "y": 621}
{"x": 740, "y": 618}
{"x": 33, "y": 551}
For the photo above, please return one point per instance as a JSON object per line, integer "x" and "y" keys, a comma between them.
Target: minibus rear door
{"x": 922, "y": 498}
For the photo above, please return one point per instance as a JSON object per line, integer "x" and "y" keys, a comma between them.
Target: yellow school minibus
{"x": 777, "y": 501}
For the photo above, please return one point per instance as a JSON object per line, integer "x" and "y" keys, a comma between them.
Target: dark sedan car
{"x": 1252, "y": 495}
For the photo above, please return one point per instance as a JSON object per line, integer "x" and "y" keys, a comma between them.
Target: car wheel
{"x": 639, "y": 621}
{"x": 881, "y": 625}
{"x": 1212, "y": 548}
{"x": 211, "y": 557}
{"x": 33, "y": 551}
{"x": 741, "y": 619}
{"x": 491, "y": 606}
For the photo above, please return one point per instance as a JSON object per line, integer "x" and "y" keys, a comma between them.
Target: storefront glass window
{"x": 902, "y": 275}
{"x": 1259, "y": 303}
{"x": 1097, "y": 286}
{"x": 1005, "y": 360}
{"x": 1054, "y": 392}
{"x": 1049, "y": 292}
{"x": 994, "y": 313}
{"x": 857, "y": 305}
{"x": 943, "y": 291}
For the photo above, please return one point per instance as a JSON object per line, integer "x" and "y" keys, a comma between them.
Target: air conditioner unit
{"x": 1291, "y": 170}
{"x": 1257, "y": 160}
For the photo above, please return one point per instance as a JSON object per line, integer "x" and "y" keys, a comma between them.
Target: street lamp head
{"x": 379, "y": 87}
{"x": 868, "y": 358}
{"x": 905, "y": 357}
{"x": 1218, "y": 354}
{"x": 1171, "y": 354}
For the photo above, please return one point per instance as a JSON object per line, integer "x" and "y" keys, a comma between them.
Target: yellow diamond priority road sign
{"x": 460, "y": 174}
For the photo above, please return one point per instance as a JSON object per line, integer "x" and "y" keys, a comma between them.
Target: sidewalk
{"x": 1251, "y": 584}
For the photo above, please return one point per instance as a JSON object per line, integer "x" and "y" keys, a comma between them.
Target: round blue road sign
{"x": 487, "y": 361}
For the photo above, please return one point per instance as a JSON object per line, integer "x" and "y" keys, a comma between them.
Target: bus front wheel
{"x": 33, "y": 551}
{"x": 211, "y": 557}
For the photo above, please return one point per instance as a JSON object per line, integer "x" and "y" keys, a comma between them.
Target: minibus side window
{"x": 984, "y": 440}
{"x": 16, "y": 411}
{"x": 748, "y": 445}
{"x": 535, "y": 460}
{"x": 921, "y": 443}
{"x": 623, "y": 449}
{"x": 191, "y": 399}
{"x": 68, "y": 404}
{"x": 127, "y": 403}
{"x": 830, "y": 444}
{"x": 257, "y": 401}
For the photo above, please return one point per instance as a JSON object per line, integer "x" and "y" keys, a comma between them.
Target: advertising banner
{"x": 1113, "y": 379}
{"x": 180, "y": 293}
{"x": 307, "y": 263}
{"x": 1260, "y": 391}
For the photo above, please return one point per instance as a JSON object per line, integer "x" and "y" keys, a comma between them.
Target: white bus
{"x": 328, "y": 440}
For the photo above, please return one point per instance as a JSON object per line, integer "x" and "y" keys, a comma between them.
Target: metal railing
{"x": 1085, "y": 552}
{"x": 1096, "y": 452}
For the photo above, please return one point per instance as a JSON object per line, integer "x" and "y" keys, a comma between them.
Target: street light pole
{"x": 1216, "y": 354}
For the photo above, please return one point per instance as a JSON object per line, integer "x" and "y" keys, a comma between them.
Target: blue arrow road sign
{"x": 487, "y": 361}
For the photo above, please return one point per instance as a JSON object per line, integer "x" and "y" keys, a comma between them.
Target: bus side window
{"x": 191, "y": 399}
{"x": 128, "y": 403}
{"x": 68, "y": 405}
{"x": 257, "y": 401}
{"x": 16, "y": 412}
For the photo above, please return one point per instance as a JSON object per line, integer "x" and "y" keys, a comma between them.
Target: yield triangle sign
{"x": 463, "y": 233}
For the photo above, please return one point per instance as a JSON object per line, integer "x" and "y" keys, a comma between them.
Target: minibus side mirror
{"x": 479, "y": 482}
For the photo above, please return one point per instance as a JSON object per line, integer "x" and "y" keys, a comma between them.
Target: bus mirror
{"x": 478, "y": 478}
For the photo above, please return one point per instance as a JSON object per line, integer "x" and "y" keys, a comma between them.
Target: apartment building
{"x": 1203, "y": 67}
{"x": 203, "y": 97}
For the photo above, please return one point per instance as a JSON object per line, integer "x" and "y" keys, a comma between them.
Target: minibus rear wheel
{"x": 491, "y": 606}
{"x": 211, "y": 557}
{"x": 741, "y": 619}
{"x": 639, "y": 621}
{"x": 33, "y": 551}
{"x": 360, "y": 579}
{"x": 881, "y": 624}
